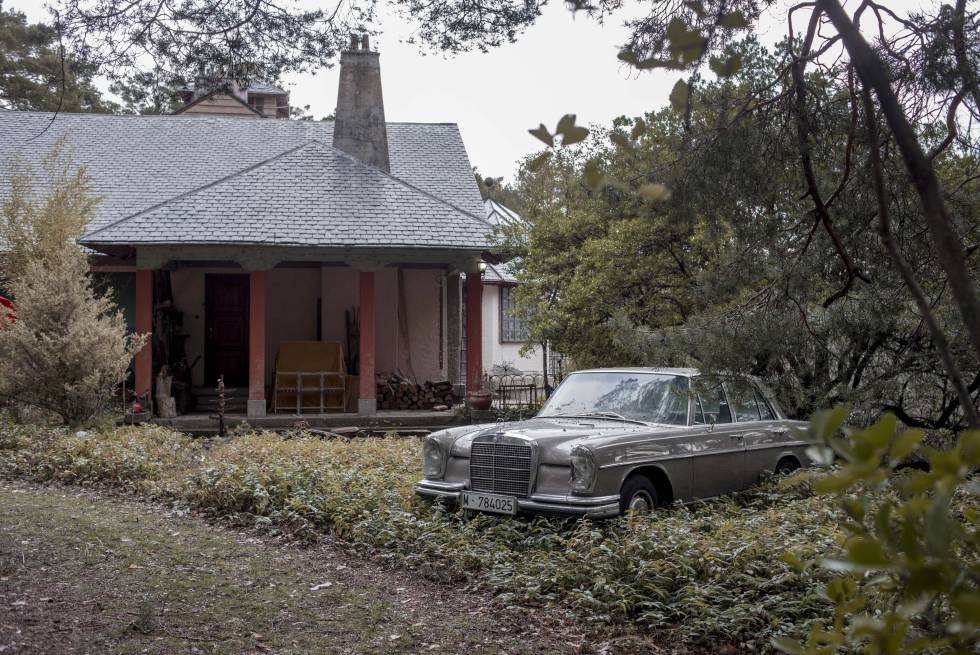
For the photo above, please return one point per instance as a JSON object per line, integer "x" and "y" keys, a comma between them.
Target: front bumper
{"x": 593, "y": 506}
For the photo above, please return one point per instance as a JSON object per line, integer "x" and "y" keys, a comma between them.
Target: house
{"x": 227, "y": 235}
{"x": 257, "y": 99}
{"x": 504, "y": 329}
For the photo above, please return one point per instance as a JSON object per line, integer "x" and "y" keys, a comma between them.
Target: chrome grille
{"x": 501, "y": 467}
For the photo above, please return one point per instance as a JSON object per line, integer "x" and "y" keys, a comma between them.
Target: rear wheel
{"x": 637, "y": 495}
{"x": 787, "y": 465}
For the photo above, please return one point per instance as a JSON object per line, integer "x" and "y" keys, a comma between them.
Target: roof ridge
{"x": 96, "y": 114}
{"x": 196, "y": 190}
{"x": 411, "y": 186}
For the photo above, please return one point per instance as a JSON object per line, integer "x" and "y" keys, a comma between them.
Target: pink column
{"x": 366, "y": 403}
{"x": 474, "y": 332}
{"x": 256, "y": 343}
{"x": 144, "y": 325}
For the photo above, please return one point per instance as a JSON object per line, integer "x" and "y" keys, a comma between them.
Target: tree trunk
{"x": 945, "y": 242}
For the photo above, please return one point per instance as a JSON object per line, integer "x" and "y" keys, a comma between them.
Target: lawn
{"x": 708, "y": 577}
{"x": 82, "y": 572}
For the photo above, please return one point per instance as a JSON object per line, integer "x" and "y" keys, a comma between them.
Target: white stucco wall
{"x": 495, "y": 351}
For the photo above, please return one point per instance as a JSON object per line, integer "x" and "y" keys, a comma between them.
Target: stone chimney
{"x": 359, "y": 126}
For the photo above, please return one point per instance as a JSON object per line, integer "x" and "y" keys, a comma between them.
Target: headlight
{"x": 584, "y": 470}
{"x": 433, "y": 459}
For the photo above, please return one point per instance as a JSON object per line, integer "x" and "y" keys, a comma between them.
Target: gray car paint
{"x": 699, "y": 461}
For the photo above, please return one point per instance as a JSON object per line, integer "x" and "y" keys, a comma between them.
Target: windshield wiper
{"x": 613, "y": 416}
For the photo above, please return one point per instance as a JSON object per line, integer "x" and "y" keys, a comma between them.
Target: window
{"x": 648, "y": 397}
{"x": 748, "y": 402}
{"x": 764, "y": 408}
{"x": 512, "y": 327}
{"x": 744, "y": 401}
{"x": 258, "y": 103}
{"x": 712, "y": 406}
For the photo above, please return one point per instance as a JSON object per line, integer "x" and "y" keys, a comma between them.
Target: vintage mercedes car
{"x": 613, "y": 440}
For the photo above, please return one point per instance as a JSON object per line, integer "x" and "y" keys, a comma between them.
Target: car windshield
{"x": 635, "y": 396}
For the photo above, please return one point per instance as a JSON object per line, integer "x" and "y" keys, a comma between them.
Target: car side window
{"x": 744, "y": 402}
{"x": 712, "y": 406}
{"x": 765, "y": 410}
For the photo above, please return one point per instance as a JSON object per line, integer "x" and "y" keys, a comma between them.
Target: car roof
{"x": 682, "y": 372}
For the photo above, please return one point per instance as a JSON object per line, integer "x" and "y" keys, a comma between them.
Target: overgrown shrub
{"x": 707, "y": 577}
{"x": 68, "y": 349}
{"x": 907, "y": 573}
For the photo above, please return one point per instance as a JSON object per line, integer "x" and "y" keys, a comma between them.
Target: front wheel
{"x": 786, "y": 466}
{"x": 637, "y": 495}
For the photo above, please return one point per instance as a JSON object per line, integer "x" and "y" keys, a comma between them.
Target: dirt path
{"x": 81, "y": 573}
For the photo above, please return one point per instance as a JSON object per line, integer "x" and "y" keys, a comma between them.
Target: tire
{"x": 637, "y": 495}
{"x": 787, "y": 465}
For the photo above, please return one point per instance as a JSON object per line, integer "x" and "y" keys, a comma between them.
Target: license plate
{"x": 489, "y": 502}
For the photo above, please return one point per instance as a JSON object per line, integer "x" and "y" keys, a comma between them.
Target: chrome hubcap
{"x": 641, "y": 502}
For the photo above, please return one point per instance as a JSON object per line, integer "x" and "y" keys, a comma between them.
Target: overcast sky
{"x": 563, "y": 64}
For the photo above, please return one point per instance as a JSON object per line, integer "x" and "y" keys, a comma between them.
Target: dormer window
{"x": 258, "y": 103}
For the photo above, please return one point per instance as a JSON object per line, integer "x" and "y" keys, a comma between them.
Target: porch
{"x": 382, "y": 421}
{"x": 213, "y": 316}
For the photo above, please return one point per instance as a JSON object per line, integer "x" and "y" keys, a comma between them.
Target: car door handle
{"x": 736, "y": 436}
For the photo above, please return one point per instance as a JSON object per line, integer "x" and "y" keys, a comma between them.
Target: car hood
{"x": 556, "y": 437}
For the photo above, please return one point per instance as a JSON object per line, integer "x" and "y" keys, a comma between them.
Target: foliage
{"x": 495, "y": 188}
{"x": 700, "y": 577}
{"x": 135, "y": 459}
{"x": 723, "y": 265}
{"x": 910, "y": 539}
{"x": 148, "y": 92}
{"x": 68, "y": 349}
{"x": 33, "y": 75}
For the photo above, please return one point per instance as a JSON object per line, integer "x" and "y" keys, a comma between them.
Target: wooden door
{"x": 226, "y": 329}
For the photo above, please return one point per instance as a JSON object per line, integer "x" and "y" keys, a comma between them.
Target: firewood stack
{"x": 397, "y": 392}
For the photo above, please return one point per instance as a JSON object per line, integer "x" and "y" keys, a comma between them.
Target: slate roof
{"x": 311, "y": 195}
{"x": 139, "y": 162}
{"x": 500, "y": 214}
{"x": 499, "y": 274}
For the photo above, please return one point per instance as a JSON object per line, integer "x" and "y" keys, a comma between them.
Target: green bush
{"x": 907, "y": 570}
{"x": 697, "y": 577}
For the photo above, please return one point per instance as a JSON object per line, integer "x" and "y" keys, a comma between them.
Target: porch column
{"x": 144, "y": 325}
{"x": 256, "y": 343}
{"x": 367, "y": 403}
{"x": 454, "y": 320}
{"x": 474, "y": 332}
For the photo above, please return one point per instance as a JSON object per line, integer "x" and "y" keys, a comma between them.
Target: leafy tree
{"x": 34, "y": 75}
{"x": 148, "y": 92}
{"x": 68, "y": 349}
{"x": 720, "y": 263}
{"x": 497, "y": 189}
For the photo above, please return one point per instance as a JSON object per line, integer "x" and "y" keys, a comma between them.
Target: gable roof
{"x": 211, "y": 94}
{"x": 500, "y": 214}
{"x": 312, "y": 195}
{"x": 501, "y": 273}
{"x": 139, "y": 162}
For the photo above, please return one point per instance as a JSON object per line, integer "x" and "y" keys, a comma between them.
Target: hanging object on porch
{"x": 353, "y": 322}
{"x": 404, "y": 340}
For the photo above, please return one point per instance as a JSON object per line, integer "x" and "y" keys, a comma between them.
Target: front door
{"x": 226, "y": 329}
{"x": 718, "y": 447}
